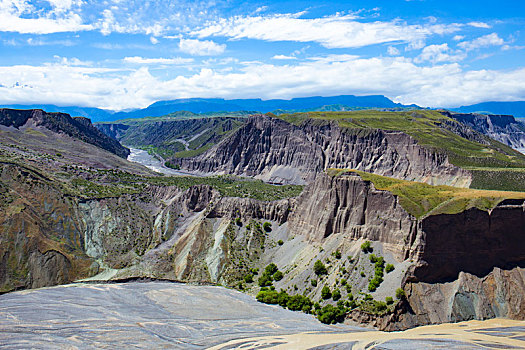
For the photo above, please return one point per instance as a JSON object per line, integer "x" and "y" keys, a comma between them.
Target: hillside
{"x": 175, "y": 135}
{"x": 418, "y": 145}
{"x": 78, "y": 128}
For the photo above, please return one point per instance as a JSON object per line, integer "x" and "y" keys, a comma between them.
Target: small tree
{"x": 400, "y": 293}
{"x": 326, "y": 293}
{"x": 366, "y": 247}
{"x": 319, "y": 268}
{"x": 267, "y": 226}
{"x": 336, "y": 295}
{"x": 389, "y": 268}
{"x": 278, "y": 275}
{"x": 280, "y": 242}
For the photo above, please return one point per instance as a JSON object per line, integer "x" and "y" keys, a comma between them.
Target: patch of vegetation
{"x": 280, "y": 242}
{"x": 326, "y": 293}
{"x": 319, "y": 268}
{"x": 389, "y": 268}
{"x": 366, "y": 247}
{"x": 271, "y": 273}
{"x": 267, "y": 227}
{"x": 400, "y": 294}
{"x": 330, "y": 314}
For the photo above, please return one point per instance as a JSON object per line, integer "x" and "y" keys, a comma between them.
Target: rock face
{"x": 276, "y": 151}
{"x": 79, "y": 127}
{"x": 503, "y": 128}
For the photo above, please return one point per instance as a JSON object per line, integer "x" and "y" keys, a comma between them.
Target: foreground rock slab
{"x": 172, "y": 315}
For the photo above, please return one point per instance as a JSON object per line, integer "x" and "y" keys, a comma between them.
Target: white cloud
{"x": 154, "y": 40}
{"x": 142, "y": 60}
{"x": 283, "y": 57}
{"x": 338, "y": 31}
{"x": 392, "y": 51}
{"x": 479, "y": 25}
{"x": 201, "y": 47}
{"x": 399, "y": 78}
{"x": 483, "y": 41}
{"x": 458, "y": 37}
{"x": 438, "y": 54}
{"x": 22, "y": 17}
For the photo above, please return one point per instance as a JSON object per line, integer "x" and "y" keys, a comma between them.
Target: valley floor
{"x": 173, "y": 315}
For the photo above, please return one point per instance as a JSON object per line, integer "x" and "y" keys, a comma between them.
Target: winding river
{"x": 149, "y": 161}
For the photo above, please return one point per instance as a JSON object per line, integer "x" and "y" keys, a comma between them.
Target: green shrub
{"x": 343, "y": 282}
{"x": 299, "y": 303}
{"x": 267, "y": 226}
{"x": 337, "y": 254}
{"x": 336, "y": 295}
{"x": 373, "y": 258}
{"x": 271, "y": 269}
{"x": 367, "y": 247}
{"x": 389, "y": 268}
{"x": 389, "y": 300}
{"x": 248, "y": 278}
{"x": 326, "y": 293}
{"x": 331, "y": 314}
{"x": 400, "y": 293}
{"x": 280, "y": 242}
{"x": 363, "y": 274}
{"x": 277, "y": 276}
{"x": 238, "y": 221}
{"x": 319, "y": 268}
{"x": 313, "y": 283}
{"x": 265, "y": 280}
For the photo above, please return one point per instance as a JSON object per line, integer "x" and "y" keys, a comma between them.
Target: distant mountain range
{"x": 516, "y": 108}
{"x": 316, "y": 103}
{"x": 207, "y": 105}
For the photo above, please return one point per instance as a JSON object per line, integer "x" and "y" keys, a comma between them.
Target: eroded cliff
{"x": 277, "y": 151}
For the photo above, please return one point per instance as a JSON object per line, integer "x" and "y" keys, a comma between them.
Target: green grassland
{"x": 114, "y": 183}
{"x": 429, "y": 128}
{"x": 420, "y": 199}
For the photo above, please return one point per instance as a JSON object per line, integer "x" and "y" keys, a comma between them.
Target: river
{"x": 166, "y": 315}
{"x": 149, "y": 161}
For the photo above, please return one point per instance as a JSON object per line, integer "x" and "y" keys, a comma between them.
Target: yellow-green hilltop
{"x": 421, "y": 199}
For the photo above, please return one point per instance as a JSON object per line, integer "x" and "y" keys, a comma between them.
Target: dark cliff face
{"x": 503, "y": 128}
{"x": 79, "y": 127}
{"x": 473, "y": 241}
{"x": 276, "y": 151}
{"x": 115, "y": 131}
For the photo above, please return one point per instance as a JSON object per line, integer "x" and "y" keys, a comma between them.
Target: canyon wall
{"x": 276, "y": 151}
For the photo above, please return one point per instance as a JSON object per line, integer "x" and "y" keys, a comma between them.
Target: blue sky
{"x": 121, "y": 54}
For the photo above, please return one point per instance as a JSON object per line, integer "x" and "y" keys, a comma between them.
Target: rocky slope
{"x": 79, "y": 127}
{"x": 503, "y": 128}
{"x": 276, "y": 151}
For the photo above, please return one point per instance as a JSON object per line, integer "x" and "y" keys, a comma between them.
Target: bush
{"x": 313, "y": 283}
{"x": 366, "y": 247}
{"x": 337, "y": 254}
{"x": 280, "y": 242}
{"x": 331, "y": 314}
{"x": 389, "y": 268}
{"x": 326, "y": 293}
{"x": 238, "y": 222}
{"x": 336, "y": 295}
{"x": 265, "y": 280}
{"x": 268, "y": 297}
{"x": 248, "y": 278}
{"x": 363, "y": 274}
{"x": 400, "y": 293}
{"x": 389, "y": 300}
{"x": 267, "y": 226}
{"x": 277, "y": 276}
{"x": 271, "y": 269}
{"x": 343, "y": 282}
{"x": 299, "y": 303}
{"x": 319, "y": 268}
{"x": 373, "y": 258}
